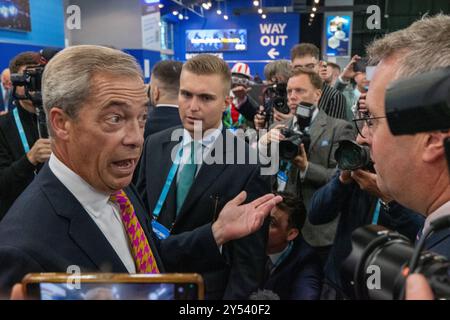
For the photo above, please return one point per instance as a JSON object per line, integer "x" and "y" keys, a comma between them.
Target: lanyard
{"x": 169, "y": 179}
{"x": 23, "y": 138}
{"x": 376, "y": 213}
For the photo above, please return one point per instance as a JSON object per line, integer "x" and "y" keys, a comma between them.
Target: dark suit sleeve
{"x": 176, "y": 251}
{"x": 248, "y": 109}
{"x": 307, "y": 285}
{"x": 14, "y": 175}
{"x": 327, "y": 202}
{"x": 317, "y": 174}
{"x": 15, "y": 264}
{"x": 249, "y": 253}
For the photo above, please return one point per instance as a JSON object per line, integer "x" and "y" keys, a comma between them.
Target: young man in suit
{"x": 293, "y": 269}
{"x": 413, "y": 169}
{"x": 163, "y": 94}
{"x": 310, "y": 170}
{"x": 21, "y": 155}
{"x": 214, "y": 167}
{"x": 80, "y": 209}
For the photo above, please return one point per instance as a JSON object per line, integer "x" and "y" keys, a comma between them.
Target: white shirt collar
{"x": 207, "y": 140}
{"x": 166, "y": 105}
{"x": 442, "y": 211}
{"x": 91, "y": 199}
{"x": 276, "y": 256}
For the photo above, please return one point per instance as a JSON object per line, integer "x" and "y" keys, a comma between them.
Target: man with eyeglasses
{"x": 412, "y": 168}
{"x": 306, "y": 55}
{"x": 354, "y": 196}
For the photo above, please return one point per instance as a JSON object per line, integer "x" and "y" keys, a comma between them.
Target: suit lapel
{"x": 82, "y": 228}
{"x": 207, "y": 174}
{"x": 436, "y": 238}
{"x": 318, "y": 128}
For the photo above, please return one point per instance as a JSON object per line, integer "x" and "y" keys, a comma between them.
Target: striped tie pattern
{"x": 140, "y": 248}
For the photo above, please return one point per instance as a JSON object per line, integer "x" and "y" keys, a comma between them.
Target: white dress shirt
{"x": 202, "y": 152}
{"x": 103, "y": 212}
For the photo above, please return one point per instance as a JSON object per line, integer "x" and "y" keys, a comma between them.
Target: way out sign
{"x": 273, "y": 36}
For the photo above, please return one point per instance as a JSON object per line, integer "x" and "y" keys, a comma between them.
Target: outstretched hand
{"x": 237, "y": 220}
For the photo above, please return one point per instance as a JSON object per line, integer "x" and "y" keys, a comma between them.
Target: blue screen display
{"x": 216, "y": 40}
{"x": 15, "y": 15}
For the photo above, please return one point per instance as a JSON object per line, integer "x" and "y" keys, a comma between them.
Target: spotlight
{"x": 219, "y": 12}
{"x": 175, "y": 12}
{"x": 263, "y": 16}
{"x": 316, "y": 1}
{"x": 160, "y": 5}
{"x": 314, "y": 9}
{"x": 225, "y": 17}
{"x": 260, "y": 11}
{"x": 180, "y": 16}
{"x": 256, "y": 3}
{"x": 312, "y": 15}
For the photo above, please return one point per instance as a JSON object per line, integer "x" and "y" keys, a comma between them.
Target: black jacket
{"x": 16, "y": 171}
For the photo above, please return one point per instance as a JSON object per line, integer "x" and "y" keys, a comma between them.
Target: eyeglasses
{"x": 365, "y": 118}
{"x": 307, "y": 66}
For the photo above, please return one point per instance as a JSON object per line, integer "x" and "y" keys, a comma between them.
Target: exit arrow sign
{"x": 273, "y": 53}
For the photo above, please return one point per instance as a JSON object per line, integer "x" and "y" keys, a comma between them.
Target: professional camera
{"x": 352, "y": 156}
{"x": 417, "y": 104}
{"x": 275, "y": 97}
{"x": 295, "y": 137}
{"x": 31, "y": 80}
{"x": 378, "y": 251}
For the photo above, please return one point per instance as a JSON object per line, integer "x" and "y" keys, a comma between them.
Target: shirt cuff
{"x": 343, "y": 81}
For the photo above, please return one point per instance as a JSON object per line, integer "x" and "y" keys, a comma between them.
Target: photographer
{"x": 354, "y": 196}
{"x": 354, "y": 71}
{"x": 310, "y": 170}
{"x": 21, "y": 150}
{"x": 422, "y": 183}
{"x": 276, "y": 73}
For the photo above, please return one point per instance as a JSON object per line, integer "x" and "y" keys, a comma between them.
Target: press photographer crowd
{"x": 163, "y": 190}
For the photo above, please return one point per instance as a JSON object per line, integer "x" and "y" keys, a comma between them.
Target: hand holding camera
{"x": 40, "y": 152}
{"x": 349, "y": 72}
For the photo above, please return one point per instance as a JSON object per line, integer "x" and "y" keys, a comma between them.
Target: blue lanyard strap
{"x": 169, "y": 180}
{"x": 376, "y": 213}
{"x": 23, "y": 138}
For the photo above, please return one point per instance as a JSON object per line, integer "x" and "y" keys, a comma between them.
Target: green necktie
{"x": 187, "y": 176}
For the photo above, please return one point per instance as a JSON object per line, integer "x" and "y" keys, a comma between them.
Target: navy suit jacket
{"x": 299, "y": 276}
{"x": 47, "y": 230}
{"x": 214, "y": 185}
{"x": 161, "y": 118}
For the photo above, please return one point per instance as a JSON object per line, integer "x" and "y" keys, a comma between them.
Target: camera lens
{"x": 351, "y": 156}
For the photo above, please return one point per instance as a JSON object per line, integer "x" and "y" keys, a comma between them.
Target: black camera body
{"x": 295, "y": 137}
{"x": 378, "y": 251}
{"x": 352, "y": 156}
{"x": 275, "y": 97}
{"x": 31, "y": 80}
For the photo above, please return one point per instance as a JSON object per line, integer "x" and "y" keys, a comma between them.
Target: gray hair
{"x": 423, "y": 46}
{"x": 278, "y": 68}
{"x": 66, "y": 82}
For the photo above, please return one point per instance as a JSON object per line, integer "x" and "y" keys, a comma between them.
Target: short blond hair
{"x": 423, "y": 46}
{"x": 206, "y": 64}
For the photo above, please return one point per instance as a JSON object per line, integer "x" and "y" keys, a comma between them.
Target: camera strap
{"x": 376, "y": 213}
{"x": 19, "y": 125}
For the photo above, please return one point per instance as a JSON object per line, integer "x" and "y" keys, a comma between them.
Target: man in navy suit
{"x": 413, "y": 168}
{"x": 163, "y": 94}
{"x": 5, "y": 91}
{"x": 293, "y": 269}
{"x": 79, "y": 210}
{"x": 214, "y": 167}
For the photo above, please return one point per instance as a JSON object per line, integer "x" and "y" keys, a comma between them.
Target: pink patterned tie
{"x": 142, "y": 254}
